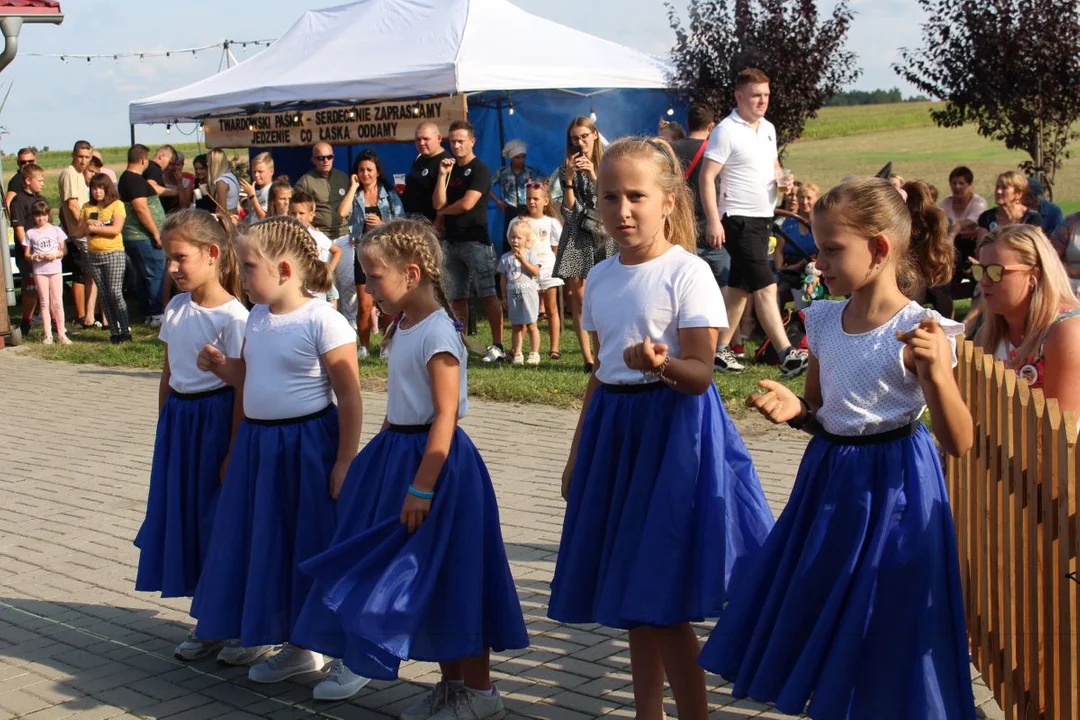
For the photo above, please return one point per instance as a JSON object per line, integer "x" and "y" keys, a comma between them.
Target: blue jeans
{"x": 148, "y": 263}
{"x": 719, "y": 262}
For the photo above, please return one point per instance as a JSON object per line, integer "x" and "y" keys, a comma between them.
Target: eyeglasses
{"x": 579, "y": 138}
{"x": 994, "y": 271}
{"x": 323, "y": 158}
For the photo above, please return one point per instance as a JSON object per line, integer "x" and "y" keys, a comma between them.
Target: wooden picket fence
{"x": 1014, "y": 501}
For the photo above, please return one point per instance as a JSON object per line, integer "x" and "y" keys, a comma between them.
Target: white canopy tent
{"x": 390, "y": 49}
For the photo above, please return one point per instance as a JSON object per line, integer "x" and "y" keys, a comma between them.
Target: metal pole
{"x": 5, "y": 253}
{"x": 133, "y": 135}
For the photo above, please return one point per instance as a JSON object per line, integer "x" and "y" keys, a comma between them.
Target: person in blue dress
{"x": 853, "y": 610}
{"x": 663, "y": 503}
{"x": 417, "y": 569}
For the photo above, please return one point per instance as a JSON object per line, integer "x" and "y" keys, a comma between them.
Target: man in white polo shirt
{"x": 742, "y": 152}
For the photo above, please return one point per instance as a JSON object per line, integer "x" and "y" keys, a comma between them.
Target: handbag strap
{"x": 697, "y": 159}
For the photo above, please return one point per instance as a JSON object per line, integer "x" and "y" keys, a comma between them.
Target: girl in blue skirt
{"x": 855, "y": 605}
{"x": 292, "y": 449}
{"x": 417, "y": 569}
{"x": 663, "y": 500}
{"x": 195, "y": 410}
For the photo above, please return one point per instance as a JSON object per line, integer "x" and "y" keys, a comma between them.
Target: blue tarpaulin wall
{"x": 540, "y": 119}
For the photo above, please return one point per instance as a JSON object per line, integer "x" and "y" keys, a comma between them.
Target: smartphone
{"x": 374, "y": 211}
{"x": 95, "y": 216}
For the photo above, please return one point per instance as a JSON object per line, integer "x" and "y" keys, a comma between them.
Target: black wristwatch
{"x": 804, "y": 417}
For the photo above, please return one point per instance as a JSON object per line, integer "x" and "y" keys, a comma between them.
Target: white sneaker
{"x": 236, "y": 654}
{"x": 47, "y": 340}
{"x": 725, "y": 361}
{"x": 155, "y": 320}
{"x": 430, "y": 704}
{"x": 194, "y": 648}
{"x": 288, "y": 662}
{"x": 794, "y": 363}
{"x": 361, "y": 352}
{"x": 466, "y": 704}
{"x": 519, "y": 359}
{"x": 340, "y": 683}
{"x": 533, "y": 359}
{"x": 494, "y": 354}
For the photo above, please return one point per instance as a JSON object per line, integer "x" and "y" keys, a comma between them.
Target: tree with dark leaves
{"x": 804, "y": 57}
{"x": 1012, "y": 67}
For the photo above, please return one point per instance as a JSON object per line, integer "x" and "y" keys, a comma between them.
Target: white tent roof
{"x": 388, "y": 49}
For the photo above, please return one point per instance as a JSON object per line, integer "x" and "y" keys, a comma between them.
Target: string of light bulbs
{"x": 143, "y": 54}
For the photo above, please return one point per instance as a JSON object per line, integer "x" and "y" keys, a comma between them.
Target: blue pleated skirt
{"x": 664, "y": 506}
{"x": 274, "y": 511}
{"x": 193, "y": 434}
{"x": 855, "y": 603}
{"x": 441, "y": 594}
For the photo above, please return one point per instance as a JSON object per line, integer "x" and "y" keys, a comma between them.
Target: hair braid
{"x": 277, "y": 236}
{"x": 202, "y": 229}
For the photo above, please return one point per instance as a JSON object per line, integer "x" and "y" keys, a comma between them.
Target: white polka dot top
{"x": 865, "y": 387}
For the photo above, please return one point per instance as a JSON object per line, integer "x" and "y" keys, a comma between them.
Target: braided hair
{"x": 412, "y": 240}
{"x": 277, "y": 236}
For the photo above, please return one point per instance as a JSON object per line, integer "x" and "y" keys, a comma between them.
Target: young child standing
{"x": 102, "y": 224}
{"x": 855, "y": 603}
{"x": 290, "y": 454}
{"x": 195, "y": 410}
{"x": 302, "y": 208}
{"x": 44, "y": 248}
{"x": 662, "y": 499}
{"x": 417, "y": 569}
{"x": 518, "y": 270}
{"x": 546, "y": 230}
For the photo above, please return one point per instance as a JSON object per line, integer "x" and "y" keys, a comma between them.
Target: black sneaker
{"x": 725, "y": 361}
{"x": 794, "y": 363}
{"x": 24, "y": 326}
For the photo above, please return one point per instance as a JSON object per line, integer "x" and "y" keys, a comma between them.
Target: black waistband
{"x": 292, "y": 421}
{"x": 200, "y": 395}
{"x": 409, "y": 429}
{"x": 633, "y": 389}
{"x": 875, "y": 439}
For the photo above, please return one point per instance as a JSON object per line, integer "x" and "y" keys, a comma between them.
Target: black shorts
{"x": 747, "y": 242}
{"x": 74, "y": 261}
{"x": 359, "y": 278}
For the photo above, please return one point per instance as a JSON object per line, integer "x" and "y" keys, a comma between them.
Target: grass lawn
{"x": 560, "y": 383}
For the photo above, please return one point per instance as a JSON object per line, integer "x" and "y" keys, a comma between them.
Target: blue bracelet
{"x": 420, "y": 493}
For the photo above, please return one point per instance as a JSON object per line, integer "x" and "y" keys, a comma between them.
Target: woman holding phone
{"x": 370, "y": 201}
{"x": 583, "y": 242}
{"x": 102, "y": 225}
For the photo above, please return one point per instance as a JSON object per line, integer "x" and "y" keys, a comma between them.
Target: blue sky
{"x": 53, "y": 103}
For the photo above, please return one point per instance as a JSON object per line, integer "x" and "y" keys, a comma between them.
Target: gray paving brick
{"x": 77, "y": 641}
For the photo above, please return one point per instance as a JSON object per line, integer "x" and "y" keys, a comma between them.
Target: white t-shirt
{"x": 865, "y": 388}
{"x": 545, "y": 236}
{"x": 516, "y": 277}
{"x": 408, "y": 391}
{"x": 283, "y": 353}
{"x": 626, "y": 303}
{"x": 748, "y": 180}
{"x": 323, "y": 243}
{"x": 188, "y": 327}
{"x": 976, "y": 207}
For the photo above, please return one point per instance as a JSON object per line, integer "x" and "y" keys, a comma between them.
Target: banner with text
{"x": 343, "y": 125}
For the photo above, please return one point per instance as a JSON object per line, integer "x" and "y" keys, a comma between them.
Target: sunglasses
{"x": 533, "y": 185}
{"x": 323, "y": 158}
{"x": 994, "y": 271}
{"x": 23, "y": 162}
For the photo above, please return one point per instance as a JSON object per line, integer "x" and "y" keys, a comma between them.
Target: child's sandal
{"x": 555, "y": 355}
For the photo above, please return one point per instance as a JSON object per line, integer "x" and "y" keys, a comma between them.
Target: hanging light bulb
{"x": 511, "y": 110}
{"x": 140, "y": 57}
{"x": 352, "y": 114}
{"x": 168, "y": 54}
{"x": 116, "y": 58}
{"x": 194, "y": 53}
{"x": 296, "y": 117}
{"x": 63, "y": 59}
{"x": 87, "y": 59}
{"x": 168, "y": 128}
{"x": 592, "y": 114}
{"x": 670, "y": 111}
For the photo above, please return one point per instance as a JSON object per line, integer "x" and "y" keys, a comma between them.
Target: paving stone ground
{"x": 77, "y": 641}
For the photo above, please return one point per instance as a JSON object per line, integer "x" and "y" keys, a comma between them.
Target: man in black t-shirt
{"x": 25, "y": 157}
{"x": 690, "y": 150}
{"x": 462, "y": 185}
{"x": 22, "y": 219}
{"x": 420, "y": 182}
{"x": 155, "y": 175}
{"x": 142, "y": 232}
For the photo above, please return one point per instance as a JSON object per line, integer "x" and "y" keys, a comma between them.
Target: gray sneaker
{"x": 340, "y": 683}
{"x": 794, "y": 363}
{"x": 235, "y": 654}
{"x": 194, "y": 648}
{"x": 466, "y": 704}
{"x": 429, "y": 704}
{"x": 725, "y": 361}
{"x": 288, "y": 662}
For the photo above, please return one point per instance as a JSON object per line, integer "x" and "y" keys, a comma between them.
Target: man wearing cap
{"x": 512, "y": 181}
{"x": 1052, "y": 216}
{"x": 420, "y": 181}
{"x": 328, "y": 185}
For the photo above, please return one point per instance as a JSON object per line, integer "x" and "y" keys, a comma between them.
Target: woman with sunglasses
{"x": 584, "y": 242}
{"x": 1029, "y": 304}
{"x": 370, "y": 201}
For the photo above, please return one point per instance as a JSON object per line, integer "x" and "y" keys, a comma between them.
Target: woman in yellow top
{"x": 101, "y": 224}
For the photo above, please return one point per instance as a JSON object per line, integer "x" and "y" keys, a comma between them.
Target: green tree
{"x": 803, "y": 55}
